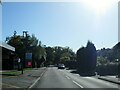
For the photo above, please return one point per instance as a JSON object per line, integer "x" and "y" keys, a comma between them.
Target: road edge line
{"x": 37, "y": 79}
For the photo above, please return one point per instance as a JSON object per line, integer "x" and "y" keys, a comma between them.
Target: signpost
{"x": 28, "y": 60}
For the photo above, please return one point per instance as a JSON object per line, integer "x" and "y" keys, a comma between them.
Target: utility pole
{"x": 24, "y": 36}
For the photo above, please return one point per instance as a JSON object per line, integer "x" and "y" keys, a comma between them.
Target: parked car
{"x": 61, "y": 66}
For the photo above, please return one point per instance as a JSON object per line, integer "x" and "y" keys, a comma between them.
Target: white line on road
{"x": 37, "y": 79}
{"x": 67, "y": 77}
{"x": 35, "y": 82}
{"x": 78, "y": 84}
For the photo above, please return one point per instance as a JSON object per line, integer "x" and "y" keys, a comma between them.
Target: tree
{"x": 86, "y": 59}
{"x": 16, "y": 41}
{"x": 57, "y": 52}
{"x": 81, "y": 60}
{"x": 49, "y": 55}
{"x": 27, "y": 43}
{"x": 116, "y": 51}
{"x": 0, "y": 2}
{"x": 91, "y": 56}
{"x": 63, "y": 54}
{"x": 39, "y": 56}
{"x": 102, "y": 60}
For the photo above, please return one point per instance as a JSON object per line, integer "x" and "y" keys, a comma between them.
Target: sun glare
{"x": 99, "y": 6}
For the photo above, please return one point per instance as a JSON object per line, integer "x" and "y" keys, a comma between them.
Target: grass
{"x": 15, "y": 72}
{"x": 12, "y": 72}
{"x": 28, "y": 68}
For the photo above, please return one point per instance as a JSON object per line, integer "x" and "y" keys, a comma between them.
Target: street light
{"x": 118, "y": 63}
{"x": 118, "y": 68}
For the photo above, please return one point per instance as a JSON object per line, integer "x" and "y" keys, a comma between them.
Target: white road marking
{"x": 37, "y": 79}
{"x": 78, "y": 84}
{"x": 35, "y": 82}
{"x": 67, "y": 77}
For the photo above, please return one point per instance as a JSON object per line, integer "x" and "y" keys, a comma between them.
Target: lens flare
{"x": 99, "y": 6}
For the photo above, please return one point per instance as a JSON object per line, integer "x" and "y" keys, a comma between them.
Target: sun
{"x": 99, "y": 6}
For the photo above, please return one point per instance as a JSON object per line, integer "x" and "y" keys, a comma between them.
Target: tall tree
{"x": 91, "y": 56}
{"x": 86, "y": 59}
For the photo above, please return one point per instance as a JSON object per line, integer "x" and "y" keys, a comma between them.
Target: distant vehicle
{"x": 61, "y": 66}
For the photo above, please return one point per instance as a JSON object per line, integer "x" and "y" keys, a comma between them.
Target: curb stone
{"x": 117, "y": 82}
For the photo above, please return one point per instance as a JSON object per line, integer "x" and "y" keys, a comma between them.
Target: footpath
{"x": 112, "y": 79}
{"x": 25, "y": 80}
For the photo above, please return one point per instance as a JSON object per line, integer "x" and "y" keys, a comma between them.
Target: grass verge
{"x": 12, "y": 73}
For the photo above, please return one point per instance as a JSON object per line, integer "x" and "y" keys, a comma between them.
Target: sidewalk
{"x": 24, "y": 80}
{"x": 112, "y": 79}
{"x": 6, "y": 70}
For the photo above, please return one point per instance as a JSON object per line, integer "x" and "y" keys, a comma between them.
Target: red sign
{"x": 29, "y": 63}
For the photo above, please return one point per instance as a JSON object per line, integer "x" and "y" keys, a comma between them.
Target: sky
{"x": 63, "y": 24}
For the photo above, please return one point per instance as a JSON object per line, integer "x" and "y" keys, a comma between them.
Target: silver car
{"x": 61, "y": 66}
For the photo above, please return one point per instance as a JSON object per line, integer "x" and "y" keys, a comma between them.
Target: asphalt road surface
{"x": 61, "y": 78}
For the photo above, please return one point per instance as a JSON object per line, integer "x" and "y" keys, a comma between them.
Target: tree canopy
{"x": 26, "y": 43}
{"x": 86, "y": 59}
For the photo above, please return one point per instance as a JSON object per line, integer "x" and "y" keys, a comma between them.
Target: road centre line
{"x": 67, "y": 77}
{"x": 78, "y": 84}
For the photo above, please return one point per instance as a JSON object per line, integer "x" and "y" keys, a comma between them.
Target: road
{"x": 62, "y": 78}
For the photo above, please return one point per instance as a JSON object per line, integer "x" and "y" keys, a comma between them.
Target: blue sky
{"x": 62, "y": 23}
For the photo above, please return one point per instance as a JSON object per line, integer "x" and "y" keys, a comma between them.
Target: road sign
{"x": 28, "y": 55}
{"x": 28, "y": 59}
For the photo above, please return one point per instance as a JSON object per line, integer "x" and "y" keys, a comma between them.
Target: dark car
{"x": 61, "y": 66}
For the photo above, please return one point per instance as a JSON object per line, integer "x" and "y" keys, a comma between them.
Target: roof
{"x": 5, "y": 45}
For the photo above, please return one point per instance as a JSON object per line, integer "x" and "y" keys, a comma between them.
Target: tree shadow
{"x": 83, "y": 74}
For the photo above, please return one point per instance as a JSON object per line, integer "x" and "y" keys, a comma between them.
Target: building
{"x": 7, "y": 57}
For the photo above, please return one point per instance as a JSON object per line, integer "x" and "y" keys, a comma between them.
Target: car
{"x": 61, "y": 66}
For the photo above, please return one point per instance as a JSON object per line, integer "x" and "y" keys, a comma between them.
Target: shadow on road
{"x": 83, "y": 74}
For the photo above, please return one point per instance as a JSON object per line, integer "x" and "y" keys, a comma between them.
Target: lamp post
{"x": 118, "y": 68}
{"x": 22, "y": 66}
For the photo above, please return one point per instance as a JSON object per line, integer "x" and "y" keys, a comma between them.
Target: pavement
{"x": 25, "y": 80}
{"x": 112, "y": 79}
{"x": 6, "y": 70}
